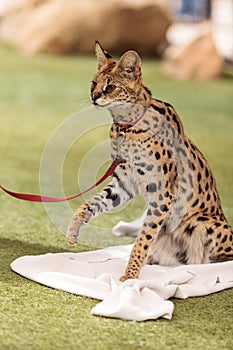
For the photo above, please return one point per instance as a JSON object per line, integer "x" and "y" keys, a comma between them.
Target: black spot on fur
{"x": 193, "y": 154}
{"x": 191, "y": 165}
{"x": 224, "y": 239}
{"x": 158, "y": 109}
{"x": 202, "y": 218}
{"x": 209, "y": 231}
{"x": 195, "y": 203}
{"x": 182, "y": 257}
{"x": 191, "y": 180}
{"x": 177, "y": 123}
{"x": 168, "y": 104}
{"x": 109, "y": 193}
{"x": 141, "y": 172}
{"x": 165, "y": 168}
{"x": 163, "y": 208}
{"x": 212, "y": 209}
{"x": 153, "y": 225}
{"x": 202, "y": 206}
{"x": 115, "y": 200}
{"x": 190, "y": 196}
{"x": 152, "y": 187}
{"x": 181, "y": 150}
{"x": 149, "y": 167}
{"x": 208, "y": 242}
{"x": 190, "y": 229}
{"x": 228, "y": 249}
{"x": 147, "y": 90}
{"x": 199, "y": 189}
{"x": 201, "y": 163}
{"x": 169, "y": 154}
{"x": 154, "y": 205}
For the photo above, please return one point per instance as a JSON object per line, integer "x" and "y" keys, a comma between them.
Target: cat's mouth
{"x": 96, "y": 104}
{"x": 107, "y": 104}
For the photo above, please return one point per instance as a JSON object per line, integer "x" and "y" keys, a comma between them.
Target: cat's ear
{"x": 130, "y": 63}
{"x": 103, "y": 57}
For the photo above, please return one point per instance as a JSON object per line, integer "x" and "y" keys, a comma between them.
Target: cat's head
{"x": 116, "y": 82}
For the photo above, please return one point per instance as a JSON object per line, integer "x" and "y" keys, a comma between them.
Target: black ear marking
{"x": 103, "y": 57}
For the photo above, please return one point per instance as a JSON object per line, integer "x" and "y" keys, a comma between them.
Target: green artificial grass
{"x": 36, "y": 95}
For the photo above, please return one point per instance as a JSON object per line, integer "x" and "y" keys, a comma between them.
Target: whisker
{"x": 81, "y": 102}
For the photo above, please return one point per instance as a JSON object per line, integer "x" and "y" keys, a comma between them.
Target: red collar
{"x": 127, "y": 126}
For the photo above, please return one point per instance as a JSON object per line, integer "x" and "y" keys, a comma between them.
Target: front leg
{"x": 117, "y": 192}
{"x": 152, "y": 225}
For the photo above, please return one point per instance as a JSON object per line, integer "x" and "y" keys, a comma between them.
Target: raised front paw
{"x": 73, "y": 230}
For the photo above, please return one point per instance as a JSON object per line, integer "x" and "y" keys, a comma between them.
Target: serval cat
{"x": 185, "y": 223}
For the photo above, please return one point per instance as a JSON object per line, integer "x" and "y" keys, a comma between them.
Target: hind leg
{"x": 186, "y": 245}
{"x": 197, "y": 240}
{"x": 222, "y": 236}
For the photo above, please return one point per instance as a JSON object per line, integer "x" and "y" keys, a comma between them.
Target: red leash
{"x": 38, "y": 198}
{"x": 109, "y": 172}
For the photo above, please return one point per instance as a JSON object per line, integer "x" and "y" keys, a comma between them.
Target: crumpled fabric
{"x": 96, "y": 274}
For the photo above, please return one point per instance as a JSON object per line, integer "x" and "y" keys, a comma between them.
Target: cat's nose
{"x": 96, "y": 96}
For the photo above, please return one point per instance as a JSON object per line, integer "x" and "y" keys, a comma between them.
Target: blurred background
{"x": 47, "y": 62}
{"x": 194, "y": 37}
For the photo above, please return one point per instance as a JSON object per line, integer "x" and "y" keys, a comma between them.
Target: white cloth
{"x": 131, "y": 229}
{"x": 96, "y": 274}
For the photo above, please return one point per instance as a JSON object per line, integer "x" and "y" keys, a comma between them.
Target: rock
{"x": 53, "y": 26}
{"x": 198, "y": 58}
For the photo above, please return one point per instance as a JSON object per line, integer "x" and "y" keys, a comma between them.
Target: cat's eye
{"x": 109, "y": 88}
{"x": 130, "y": 70}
